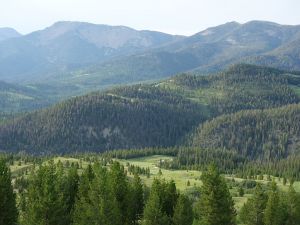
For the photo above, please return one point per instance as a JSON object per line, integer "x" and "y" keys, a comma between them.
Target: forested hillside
{"x": 266, "y": 134}
{"x": 18, "y": 98}
{"x": 150, "y": 115}
{"x": 97, "y": 122}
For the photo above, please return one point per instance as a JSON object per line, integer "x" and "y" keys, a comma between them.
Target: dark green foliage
{"x": 136, "y": 200}
{"x": 293, "y": 207}
{"x": 8, "y": 209}
{"x": 183, "y": 213}
{"x": 119, "y": 187}
{"x": 158, "y": 115}
{"x": 215, "y": 206}
{"x": 108, "y": 197}
{"x": 45, "y": 203}
{"x": 252, "y": 212}
{"x": 257, "y": 134}
{"x": 241, "y": 192}
{"x": 94, "y": 204}
{"x": 274, "y": 213}
{"x": 160, "y": 206}
{"x": 98, "y": 122}
{"x": 70, "y": 190}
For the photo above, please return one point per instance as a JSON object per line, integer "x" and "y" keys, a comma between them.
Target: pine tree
{"x": 241, "y": 191}
{"x": 215, "y": 206}
{"x": 136, "y": 200}
{"x": 273, "y": 213}
{"x": 96, "y": 203}
{"x": 252, "y": 212}
{"x": 153, "y": 213}
{"x": 161, "y": 203}
{"x": 45, "y": 205}
{"x": 183, "y": 213}
{"x": 8, "y": 209}
{"x": 169, "y": 197}
{"x": 293, "y": 207}
{"x": 120, "y": 190}
{"x": 70, "y": 190}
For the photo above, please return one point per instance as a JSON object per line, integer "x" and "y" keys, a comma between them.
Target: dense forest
{"x": 162, "y": 114}
{"x": 104, "y": 193}
{"x": 244, "y": 120}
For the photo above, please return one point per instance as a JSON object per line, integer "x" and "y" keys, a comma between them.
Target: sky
{"x": 183, "y": 17}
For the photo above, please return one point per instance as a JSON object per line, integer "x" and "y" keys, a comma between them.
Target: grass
{"x": 181, "y": 177}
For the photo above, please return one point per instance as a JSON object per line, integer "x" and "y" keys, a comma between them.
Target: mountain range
{"x": 73, "y": 58}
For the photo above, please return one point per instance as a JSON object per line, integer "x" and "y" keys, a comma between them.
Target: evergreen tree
{"x": 252, "y": 212}
{"x": 169, "y": 197}
{"x": 183, "y": 213}
{"x": 120, "y": 190}
{"x": 96, "y": 203}
{"x": 161, "y": 203}
{"x": 241, "y": 191}
{"x": 215, "y": 206}
{"x": 293, "y": 207}
{"x": 273, "y": 211}
{"x": 70, "y": 190}
{"x": 137, "y": 200}
{"x": 8, "y": 209}
{"x": 45, "y": 205}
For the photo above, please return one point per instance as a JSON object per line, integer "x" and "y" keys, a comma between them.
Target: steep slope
{"x": 259, "y": 134}
{"x": 148, "y": 115}
{"x": 66, "y": 46}
{"x": 7, "y": 33}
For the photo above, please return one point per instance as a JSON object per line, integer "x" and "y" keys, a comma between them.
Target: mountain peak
{"x": 7, "y": 32}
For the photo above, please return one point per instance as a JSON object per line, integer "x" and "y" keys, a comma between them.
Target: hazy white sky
{"x": 172, "y": 16}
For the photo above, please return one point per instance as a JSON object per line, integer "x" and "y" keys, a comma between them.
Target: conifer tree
{"x": 252, "y": 212}
{"x": 161, "y": 203}
{"x": 293, "y": 207}
{"x": 8, "y": 209}
{"x": 215, "y": 206}
{"x": 120, "y": 190}
{"x": 273, "y": 211}
{"x": 169, "y": 197}
{"x": 70, "y": 190}
{"x": 96, "y": 203}
{"x": 45, "y": 205}
{"x": 136, "y": 200}
{"x": 183, "y": 213}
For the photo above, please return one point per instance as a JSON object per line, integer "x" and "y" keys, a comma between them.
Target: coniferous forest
{"x": 111, "y": 125}
{"x": 105, "y": 192}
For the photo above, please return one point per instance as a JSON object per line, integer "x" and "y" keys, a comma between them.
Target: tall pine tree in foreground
{"x": 183, "y": 213}
{"x": 293, "y": 207}
{"x": 215, "y": 206}
{"x": 8, "y": 209}
{"x": 252, "y": 213}
{"x": 159, "y": 209}
{"x": 274, "y": 212}
{"x": 136, "y": 200}
{"x": 49, "y": 200}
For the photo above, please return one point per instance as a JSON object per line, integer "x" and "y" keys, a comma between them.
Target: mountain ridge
{"x": 160, "y": 114}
